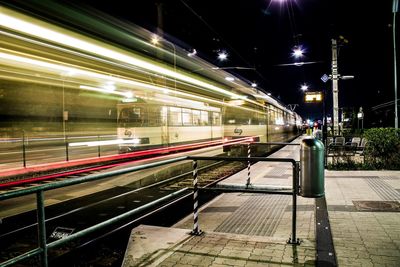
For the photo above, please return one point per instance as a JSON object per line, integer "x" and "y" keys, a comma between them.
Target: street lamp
{"x": 395, "y": 9}
{"x": 297, "y": 52}
{"x": 222, "y": 55}
{"x": 304, "y": 87}
{"x": 193, "y": 53}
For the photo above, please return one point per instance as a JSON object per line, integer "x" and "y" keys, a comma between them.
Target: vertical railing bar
{"x": 23, "y": 149}
{"x": 248, "y": 164}
{"x": 195, "y": 230}
{"x": 293, "y": 239}
{"x": 98, "y": 146}
{"x": 66, "y": 148}
{"x": 41, "y": 227}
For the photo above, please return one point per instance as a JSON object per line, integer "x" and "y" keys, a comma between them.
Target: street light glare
{"x": 304, "y": 87}
{"x": 297, "y": 52}
{"x": 155, "y": 40}
{"x": 222, "y": 55}
{"x": 193, "y": 53}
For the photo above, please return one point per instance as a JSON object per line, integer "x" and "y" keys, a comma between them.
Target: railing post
{"x": 98, "y": 146}
{"x": 248, "y": 164}
{"x": 66, "y": 148}
{"x": 23, "y": 149}
{"x": 41, "y": 227}
{"x": 295, "y": 184}
{"x": 195, "y": 230}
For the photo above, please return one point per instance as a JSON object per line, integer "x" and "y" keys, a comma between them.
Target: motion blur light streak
{"x": 8, "y": 19}
{"x": 101, "y": 90}
{"x": 105, "y": 77}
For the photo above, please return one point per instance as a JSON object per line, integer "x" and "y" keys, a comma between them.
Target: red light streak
{"x": 156, "y": 151}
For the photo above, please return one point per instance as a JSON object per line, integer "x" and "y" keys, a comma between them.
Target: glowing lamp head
{"x": 155, "y": 40}
{"x": 297, "y": 52}
{"x": 222, "y": 55}
{"x": 304, "y": 87}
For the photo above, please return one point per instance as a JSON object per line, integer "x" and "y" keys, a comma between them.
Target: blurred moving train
{"x": 109, "y": 77}
{"x": 147, "y": 124}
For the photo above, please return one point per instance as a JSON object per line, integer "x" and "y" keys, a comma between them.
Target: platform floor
{"x": 242, "y": 229}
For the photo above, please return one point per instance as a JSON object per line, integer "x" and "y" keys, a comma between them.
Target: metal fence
{"x": 43, "y": 246}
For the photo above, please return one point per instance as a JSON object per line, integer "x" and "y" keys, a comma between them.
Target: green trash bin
{"x": 312, "y": 174}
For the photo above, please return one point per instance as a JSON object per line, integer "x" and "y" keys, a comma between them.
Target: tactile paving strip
{"x": 383, "y": 189}
{"x": 258, "y": 216}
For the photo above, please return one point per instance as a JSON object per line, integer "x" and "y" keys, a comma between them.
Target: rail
{"x": 39, "y": 191}
{"x": 25, "y": 144}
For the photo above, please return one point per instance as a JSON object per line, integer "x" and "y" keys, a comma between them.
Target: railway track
{"x": 15, "y": 237}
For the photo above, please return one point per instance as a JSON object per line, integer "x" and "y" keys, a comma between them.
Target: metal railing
{"x": 26, "y": 145}
{"x": 251, "y": 189}
{"x": 39, "y": 191}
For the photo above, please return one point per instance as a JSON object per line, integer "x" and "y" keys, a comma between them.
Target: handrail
{"x": 88, "y": 178}
{"x": 43, "y": 246}
{"x": 277, "y": 143}
{"x": 252, "y": 159}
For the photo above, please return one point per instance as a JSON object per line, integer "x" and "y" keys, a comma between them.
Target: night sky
{"x": 261, "y": 34}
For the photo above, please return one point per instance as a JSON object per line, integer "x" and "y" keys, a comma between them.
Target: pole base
{"x": 297, "y": 241}
{"x": 197, "y": 233}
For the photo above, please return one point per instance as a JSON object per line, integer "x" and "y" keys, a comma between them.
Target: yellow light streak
{"x": 18, "y": 22}
{"x": 101, "y": 90}
{"x": 86, "y": 73}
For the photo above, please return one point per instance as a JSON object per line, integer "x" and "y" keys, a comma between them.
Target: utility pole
{"x": 335, "y": 89}
{"x": 395, "y": 9}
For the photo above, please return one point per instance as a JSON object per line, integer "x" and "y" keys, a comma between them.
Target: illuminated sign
{"x": 313, "y": 97}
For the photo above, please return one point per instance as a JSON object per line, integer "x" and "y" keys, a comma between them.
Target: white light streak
{"x": 9, "y": 20}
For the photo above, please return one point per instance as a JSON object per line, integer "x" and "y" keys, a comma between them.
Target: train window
{"x": 175, "y": 116}
{"x": 153, "y": 116}
{"x": 196, "y": 117}
{"x": 216, "y": 118}
{"x": 130, "y": 117}
{"x": 187, "y": 117}
{"x": 204, "y": 118}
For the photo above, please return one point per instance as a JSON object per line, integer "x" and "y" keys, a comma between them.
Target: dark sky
{"x": 262, "y": 33}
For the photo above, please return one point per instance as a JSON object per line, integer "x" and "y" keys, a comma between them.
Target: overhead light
{"x": 193, "y": 53}
{"x": 297, "y": 52}
{"x": 155, "y": 40}
{"x": 253, "y": 85}
{"x": 304, "y": 87}
{"x": 231, "y": 79}
{"x": 222, "y": 55}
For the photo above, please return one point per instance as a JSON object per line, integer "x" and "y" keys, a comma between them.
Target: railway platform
{"x": 356, "y": 224}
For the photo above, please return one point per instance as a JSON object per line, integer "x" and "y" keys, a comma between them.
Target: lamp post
{"x": 395, "y": 9}
{"x": 335, "y": 88}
